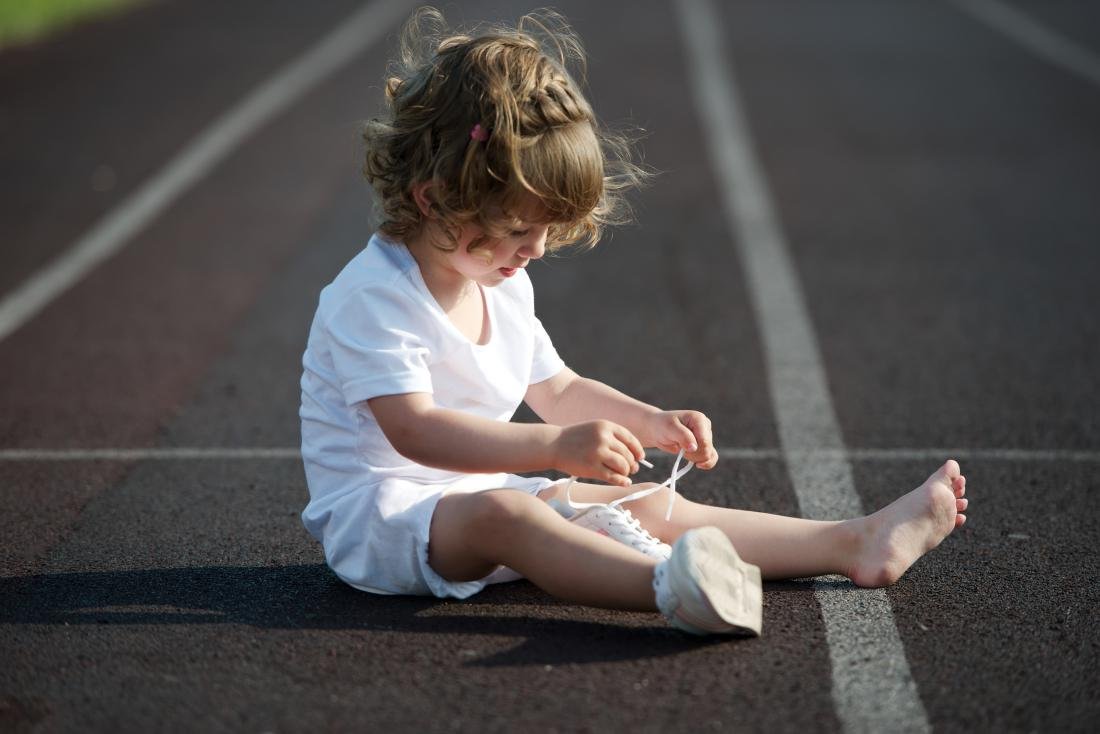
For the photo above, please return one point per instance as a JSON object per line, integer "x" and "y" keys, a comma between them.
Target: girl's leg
{"x": 473, "y": 533}
{"x": 872, "y": 551}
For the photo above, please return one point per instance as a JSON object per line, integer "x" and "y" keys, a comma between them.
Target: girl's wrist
{"x": 548, "y": 446}
{"x": 651, "y": 416}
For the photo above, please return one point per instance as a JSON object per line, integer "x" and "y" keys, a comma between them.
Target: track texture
{"x": 937, "y": 185}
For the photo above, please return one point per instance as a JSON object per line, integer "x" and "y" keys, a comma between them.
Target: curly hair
{"x": 538, "y": 136}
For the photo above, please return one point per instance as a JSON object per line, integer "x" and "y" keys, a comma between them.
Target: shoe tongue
{"x": 561, "y": 508}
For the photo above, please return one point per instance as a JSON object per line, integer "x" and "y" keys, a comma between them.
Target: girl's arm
{"x": 450, "y": 439}
{"x": 568, "y": 398}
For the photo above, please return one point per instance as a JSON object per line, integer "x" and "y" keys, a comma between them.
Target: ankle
{"x": 852, "y": 539}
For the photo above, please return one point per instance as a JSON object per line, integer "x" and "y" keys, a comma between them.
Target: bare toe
{"x": 946, "y": 474}
{"x": 960, "y": 505}
{"x": 960, "y": 520}
{"x": 959, "y": 485}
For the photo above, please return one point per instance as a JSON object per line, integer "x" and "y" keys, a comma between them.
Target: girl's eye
{"x": 519, "y": 233}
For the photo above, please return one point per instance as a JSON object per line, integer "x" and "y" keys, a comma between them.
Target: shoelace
{"x": 677, "y": 473}
{"x": 641, "y": 535}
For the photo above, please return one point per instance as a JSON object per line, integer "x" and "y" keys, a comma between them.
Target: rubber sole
{"x": 724, "y": 586}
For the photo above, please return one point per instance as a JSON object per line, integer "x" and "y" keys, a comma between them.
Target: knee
{"x": 653, "y": 504}
{"x": 652, "y": 510}
{"x": 504, "y": 511}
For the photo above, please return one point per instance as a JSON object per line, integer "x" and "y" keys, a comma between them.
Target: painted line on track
{"x": 732, "y": 453}
{"x": 174, "y": 453}
{"x": 941, "y": 455}
{"x": 872, "y": 686}
{"x": 1039, "y": 40}
{"x": 112, "y": 232}
{"x": 936, "y": 455}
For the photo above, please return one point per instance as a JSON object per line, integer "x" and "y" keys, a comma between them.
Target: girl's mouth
{"x": 507, "y": 272}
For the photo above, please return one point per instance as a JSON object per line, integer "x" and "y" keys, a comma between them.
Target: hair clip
{"x": 479, "y": 133}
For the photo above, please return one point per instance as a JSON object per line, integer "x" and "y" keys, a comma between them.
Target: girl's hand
{"x": 672, "y": 430}
{"x": 598, "y": 450}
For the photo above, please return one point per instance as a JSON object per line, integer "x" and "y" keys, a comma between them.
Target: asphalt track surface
{"x": 937, "y": 184}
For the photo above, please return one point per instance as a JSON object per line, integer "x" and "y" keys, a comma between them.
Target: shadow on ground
{"x": 310, "y": 597}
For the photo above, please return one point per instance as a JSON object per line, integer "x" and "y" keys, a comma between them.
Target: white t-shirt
{"x": 379, "y": 331}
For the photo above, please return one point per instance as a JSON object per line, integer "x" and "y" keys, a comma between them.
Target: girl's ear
{"x": 423, "y": 199}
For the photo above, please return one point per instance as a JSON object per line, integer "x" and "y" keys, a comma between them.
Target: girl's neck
{"x": 447, "y": 286}
{"x": 459, "y": 297}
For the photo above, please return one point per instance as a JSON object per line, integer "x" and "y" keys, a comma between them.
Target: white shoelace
{"x": 640, "y": 538}
{"x": 677, "y": 473}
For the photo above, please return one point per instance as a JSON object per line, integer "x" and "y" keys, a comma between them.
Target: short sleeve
{"x": 377, "y": 337}
{"x": 545, "y": 363}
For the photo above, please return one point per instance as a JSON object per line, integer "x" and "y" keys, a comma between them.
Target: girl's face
{"x": 497, "y": 260}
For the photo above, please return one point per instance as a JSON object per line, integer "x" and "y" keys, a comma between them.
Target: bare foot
{"x": 893, "y": 538}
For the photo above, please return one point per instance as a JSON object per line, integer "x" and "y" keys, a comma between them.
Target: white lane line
{"x": 919, "y": 454}
{"x": 150, "y": 454}
{"x": 732, "y": 453}
{"x": 872, "y": 686}
{"x": 1041, "y": 41}
{"x": 111, "y": 233}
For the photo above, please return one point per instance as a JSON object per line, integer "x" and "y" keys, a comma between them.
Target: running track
{"x": 918, "y": 184}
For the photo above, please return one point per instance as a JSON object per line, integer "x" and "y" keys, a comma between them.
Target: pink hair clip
{"x": 479, "y": 133}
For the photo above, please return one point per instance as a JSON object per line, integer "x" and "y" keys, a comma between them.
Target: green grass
{"x": 22, "y": 21}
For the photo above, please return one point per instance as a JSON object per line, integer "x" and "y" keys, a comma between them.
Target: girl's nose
{"x": 535, "y": 246}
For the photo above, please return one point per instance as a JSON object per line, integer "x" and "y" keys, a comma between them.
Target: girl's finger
{"x": 631, "y": 443}
{"x": 617, "y": 459}
{"x": 707, "y": 458}
{"x": 686, "y": 438}
{"x": 613, "y": 477}
{"x": 701, "y": 428}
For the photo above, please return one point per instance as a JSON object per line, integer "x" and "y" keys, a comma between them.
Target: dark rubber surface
{"x": 937, "y": 185}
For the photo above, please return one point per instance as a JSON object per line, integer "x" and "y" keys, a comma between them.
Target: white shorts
{"x": 376, "y": 538}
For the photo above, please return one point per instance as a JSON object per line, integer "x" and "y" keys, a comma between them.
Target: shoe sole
{"x": 731, "y": 587}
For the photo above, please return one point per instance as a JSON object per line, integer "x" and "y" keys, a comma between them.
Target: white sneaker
{"x": 614, "y": 522}
{"x": 705, "y": 587}
{"x": 617, "y": 523}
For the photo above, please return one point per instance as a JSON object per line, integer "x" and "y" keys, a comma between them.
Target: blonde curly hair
{"x": 538, "y": 136}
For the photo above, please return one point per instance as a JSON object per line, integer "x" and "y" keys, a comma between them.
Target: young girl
{"x": 425, "y": 344}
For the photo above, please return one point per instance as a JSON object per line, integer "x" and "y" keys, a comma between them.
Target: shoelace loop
{"x": 677, "y": 473}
